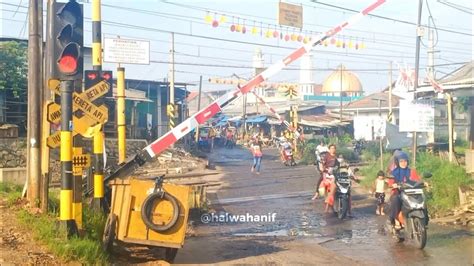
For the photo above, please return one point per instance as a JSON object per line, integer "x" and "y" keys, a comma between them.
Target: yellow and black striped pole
{"x": 121, "y": 114}
{"x": 170, "y": 111}
{"x": 98, "y": 138}
{"x": 66, "y": 194}
{"x": 99, "y": 169}
{"x": 294, "y": 123}
{"x": 96, "y": 36}
{"x": 77, "y": 195}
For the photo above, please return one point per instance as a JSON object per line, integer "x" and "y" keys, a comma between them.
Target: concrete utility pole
{"x": 390, "y": 112}
{"x": 450, "y": 126}
{"x": 45, "y": 127}
{"x": 171, "y": 115}
{"x": 419, "y": 34}
{"x": 340, "y": 97}
{"x": 34, "y": 102}
{"x": 380, "y": 137}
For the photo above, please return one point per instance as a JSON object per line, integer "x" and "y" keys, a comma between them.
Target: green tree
{"x": 462, "y": 104}
{"x": 13, "y": 67}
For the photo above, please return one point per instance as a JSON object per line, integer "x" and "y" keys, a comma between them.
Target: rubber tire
{"x": 343, "y": 210}
{"x": 146, "y": 210}
{"x": 419, "y": 229}
{"x": 170, "y": 254}
{"x": 109, "y": 232}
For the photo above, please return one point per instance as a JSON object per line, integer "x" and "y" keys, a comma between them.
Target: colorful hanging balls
{"x": 362, "y": 45}
{"x": 254, "y": 30}
{"x": 350, "y": 44}
{"x": 275, "y": 34}
{"x": 244, "y": 29}
{"x": 208, "y": 18}
{"x": 268, "y": 34}
{"x": 287, "y": 37}
{"x": 281, "y": 36}
{"x": 333, "y": 41}
{"x": 223, "y": 19}
{"x": 325, "y": 43}
{"x": 300, "y": 38}
{"x": 215, "y": 23}
{"x": 305, "y": 40}
{"x": 338, "y": 43}
{"x": 343, "y": 44}
{"x": 232, "y": 28}
{"x": 238, "y": 28}
{"x": 293, "y": 37}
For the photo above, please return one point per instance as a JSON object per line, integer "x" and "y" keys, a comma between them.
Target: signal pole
{"x": 121, "y": 114}
{"x": 99, "y": 135}
{"x": 34, "y": 103}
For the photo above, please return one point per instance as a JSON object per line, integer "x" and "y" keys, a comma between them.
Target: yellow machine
{"x": 148, "y": 212}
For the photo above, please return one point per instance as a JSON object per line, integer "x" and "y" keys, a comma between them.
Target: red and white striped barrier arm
{"x": 205, "y": 114}
{"x": 278, "y": 116}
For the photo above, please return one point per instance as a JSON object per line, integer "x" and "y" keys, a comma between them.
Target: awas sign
{"x": 416, "y": 116}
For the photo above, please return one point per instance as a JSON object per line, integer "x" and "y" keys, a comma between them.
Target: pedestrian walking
{"x": 256, "y": 148}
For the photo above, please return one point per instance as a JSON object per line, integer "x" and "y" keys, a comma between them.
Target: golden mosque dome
{"x": 351, "y": 85}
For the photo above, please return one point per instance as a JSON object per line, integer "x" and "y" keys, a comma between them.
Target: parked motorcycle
{"x": 413, "y": 217}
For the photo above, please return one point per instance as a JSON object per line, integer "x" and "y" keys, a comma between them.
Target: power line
{"x": 387, "y": 18}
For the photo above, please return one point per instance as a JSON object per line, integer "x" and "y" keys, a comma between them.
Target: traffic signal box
{"x": 93, "y": 77}
{"x": 67, "y": 38}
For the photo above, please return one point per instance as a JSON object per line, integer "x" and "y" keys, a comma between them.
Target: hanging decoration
{"x": 276, "y": 31}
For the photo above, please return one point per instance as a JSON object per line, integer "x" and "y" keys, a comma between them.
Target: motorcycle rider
{"x": 401, "y": 174}
{"x": 328, "y": 161}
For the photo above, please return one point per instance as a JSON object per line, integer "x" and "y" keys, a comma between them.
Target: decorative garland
{"x": 271, "y": 31}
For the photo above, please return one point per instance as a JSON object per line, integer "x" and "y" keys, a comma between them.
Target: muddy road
{"x": 301, "y": 232}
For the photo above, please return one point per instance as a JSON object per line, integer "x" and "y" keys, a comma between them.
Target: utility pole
{"x": 419, "y": 34}
{"x": 390, "y": 112}
{"x": 380, "y": 136}
{"x": 340, "y": 97}
{"x": 45, "y": 127}
{"x": 171, "y": 108}
{"x": 34, "y": 102}
{"x": 450, "y": 126}
{"x": 244, "y": 115}
{"x": 199, "y": 107}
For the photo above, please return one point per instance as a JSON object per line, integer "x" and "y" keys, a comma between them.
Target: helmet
{"x": 400, "y": 156}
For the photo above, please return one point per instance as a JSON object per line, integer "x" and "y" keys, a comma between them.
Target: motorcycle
{"x": 343, "y": 192}
{"x": 413, "y": 217}
{"x": 289, "y": 160}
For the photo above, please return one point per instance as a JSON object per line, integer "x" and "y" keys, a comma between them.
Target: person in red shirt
{"x": 256, "y": 148}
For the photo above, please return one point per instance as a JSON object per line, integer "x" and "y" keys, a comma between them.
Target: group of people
{"x": 398, "y": 171}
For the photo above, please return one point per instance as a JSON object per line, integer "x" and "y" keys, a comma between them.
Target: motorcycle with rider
{"x": 408, "y": 218}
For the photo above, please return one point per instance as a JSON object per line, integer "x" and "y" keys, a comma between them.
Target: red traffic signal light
{"x": 66, "y": 41}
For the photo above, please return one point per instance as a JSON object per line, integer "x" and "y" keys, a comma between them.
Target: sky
{"x": 201, "y": 49}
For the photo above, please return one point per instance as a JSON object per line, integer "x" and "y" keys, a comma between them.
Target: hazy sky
{"x": 217, "y": 52}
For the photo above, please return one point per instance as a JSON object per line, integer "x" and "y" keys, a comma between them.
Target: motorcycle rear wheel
{"x": 419, "y": 232}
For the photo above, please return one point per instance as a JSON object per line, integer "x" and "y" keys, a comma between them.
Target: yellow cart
{"x": 148, "y": 212}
